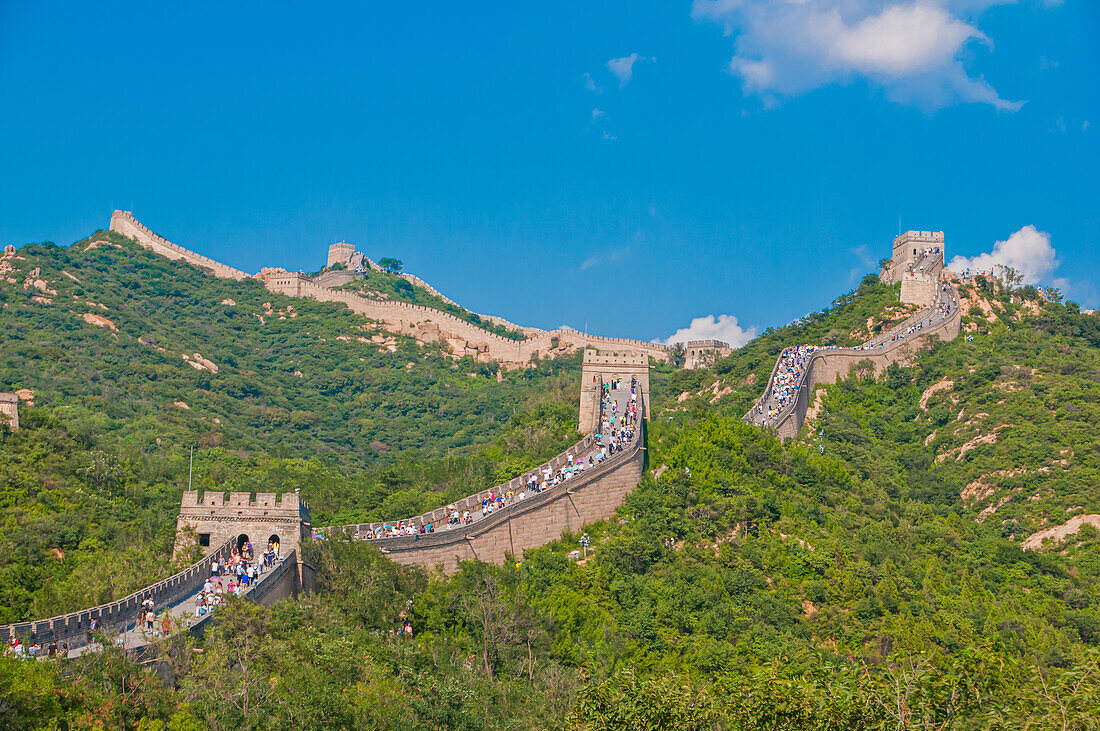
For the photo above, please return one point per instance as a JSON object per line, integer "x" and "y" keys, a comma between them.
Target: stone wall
{"x": 223, "y": 519}
{"x": 117, "y": 616}
{"x": 536, "y": 521}
{"x": 123, "y": 222}
{"x": 462, "y": 337}
{"x": 423, "y": 323}
{"x": 9, "y": 410}
{"x": 598, "y": 368}
{"x": 827, "y": 366}
{"x": 704, "y": 353}
{"x": 340, "y": 253}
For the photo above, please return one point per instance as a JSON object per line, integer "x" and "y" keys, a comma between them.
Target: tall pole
{"x": 191, "y": 468}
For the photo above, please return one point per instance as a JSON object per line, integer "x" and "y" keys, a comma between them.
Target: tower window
{"x": 204, "y": 539}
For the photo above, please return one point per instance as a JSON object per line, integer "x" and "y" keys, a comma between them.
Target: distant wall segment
{"x": 123, "y": 222}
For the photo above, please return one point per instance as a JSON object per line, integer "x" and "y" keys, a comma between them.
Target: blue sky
{"x": 625, "y": 166}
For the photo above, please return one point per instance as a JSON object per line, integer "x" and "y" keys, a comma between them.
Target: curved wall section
{"x": 827, "y": 366}
{"x": 536, "y": 521}
{"x": 117, "y": 616}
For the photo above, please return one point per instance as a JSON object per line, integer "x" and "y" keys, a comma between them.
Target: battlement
{"x": 703, "y": 353}
{"x": 289, "y": 501}
{"x": 123, "y": 222}
{"x": 340, "y": 253}
{"x": 217, "y": 517}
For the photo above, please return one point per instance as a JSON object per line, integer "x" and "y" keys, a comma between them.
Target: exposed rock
{"x": 182, "y": 405}
{"x": 228, "y": 301}
{"x": 1060, "y": 532}
{"x": 934, "y": 388}
{"x": 42, "y": 300}
{"x": 379, "y": 447}
{"x": 199, "y": 363}
{"x": 70, "y": 276}
{"x": 98, "y": 321}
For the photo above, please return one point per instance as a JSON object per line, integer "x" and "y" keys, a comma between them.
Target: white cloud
{"x": 596, "y": 114}
{"x": 913, "y": 50}
{"x": 590, "y": 83}
{"x": 1028, "y": 251}
{"x": 724, "y": 328}
{"x": 623, "y": 68}
{"x": 611, "y": 256}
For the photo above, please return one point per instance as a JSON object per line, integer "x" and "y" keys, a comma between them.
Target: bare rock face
{"x": 199, "y": 363}
{"x": 98, "y": 321}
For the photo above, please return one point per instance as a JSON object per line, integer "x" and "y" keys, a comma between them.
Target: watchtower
{"x": 266, "y": 519}
{"x": 600, "y": 367}
{"x": 909, "y": 248}
{"x": 340, "y": 253}
{"x": 9, "y": 410}
{"x": 703, "y": 353}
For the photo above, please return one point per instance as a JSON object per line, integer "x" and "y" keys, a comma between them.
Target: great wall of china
{"x": 592, "y": 495}
{"x": 917, "y": 263}
{"x": 424, "y": 323}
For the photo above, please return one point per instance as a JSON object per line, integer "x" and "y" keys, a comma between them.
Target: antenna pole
{"x": 191, "y": 468}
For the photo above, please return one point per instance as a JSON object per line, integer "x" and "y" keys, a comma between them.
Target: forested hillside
{"x": 869, "y": 574}
{"x": 127, "y": 360}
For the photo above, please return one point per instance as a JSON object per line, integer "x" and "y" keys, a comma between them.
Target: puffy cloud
{"x": 623, "y": 68}
{"x": 590, "y": 83}
{"x": 913, "y": 50}
{"x": 723, "y": 327}
{"x": 1028, "y": 251}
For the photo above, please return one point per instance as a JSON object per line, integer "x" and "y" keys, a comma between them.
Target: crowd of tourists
{"x": 783, "y": 389}
{"x": 233, "y": 577}
{"x": 616, "y": 429}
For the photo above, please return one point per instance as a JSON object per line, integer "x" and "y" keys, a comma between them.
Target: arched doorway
{"x": 244, "y": 547}
{"x": 273, "y": 547}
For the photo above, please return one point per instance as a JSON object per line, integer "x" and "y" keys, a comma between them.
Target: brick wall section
{"x": 827, "y": 366}
{"x": 116, "y": 616}
{"x": 123, "y": 222}
{"x": 406, "y": 318}
{"x": 599, "y": 367}
{"x": 530, "y": 523}
{"x": 401, "y": 317}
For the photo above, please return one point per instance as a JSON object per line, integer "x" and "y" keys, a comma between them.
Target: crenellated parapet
{"x": 123, "y": 222}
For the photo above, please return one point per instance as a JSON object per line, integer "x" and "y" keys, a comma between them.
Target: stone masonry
{"x": 703, "y": 353}
{"x": 9, "y": 410}
{"x": 599, "y": 367}
{"x": 216, "y": 519}
{"x": 424, "y": 323}
{"x": 534, "y": 522}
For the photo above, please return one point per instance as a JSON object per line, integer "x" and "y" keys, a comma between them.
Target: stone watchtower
{"x": 600, "y": 367}
{"x": 266, "y": 519}
{"x": 9, "y": 410}
{"x": 340, "y": 253}
{"x": 917, "y": 262}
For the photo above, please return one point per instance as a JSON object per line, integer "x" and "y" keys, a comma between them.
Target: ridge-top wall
{"x": 123, "y": 222}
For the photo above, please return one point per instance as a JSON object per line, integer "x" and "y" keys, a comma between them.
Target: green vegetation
{"x": 302, "y": 397}
{"x": 842, "y": 579}
{"x": 844, "y": 323}
{"x": 390, "y": 285}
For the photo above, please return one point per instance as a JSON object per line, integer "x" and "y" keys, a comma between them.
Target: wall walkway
{"x": 826, "y": 365}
